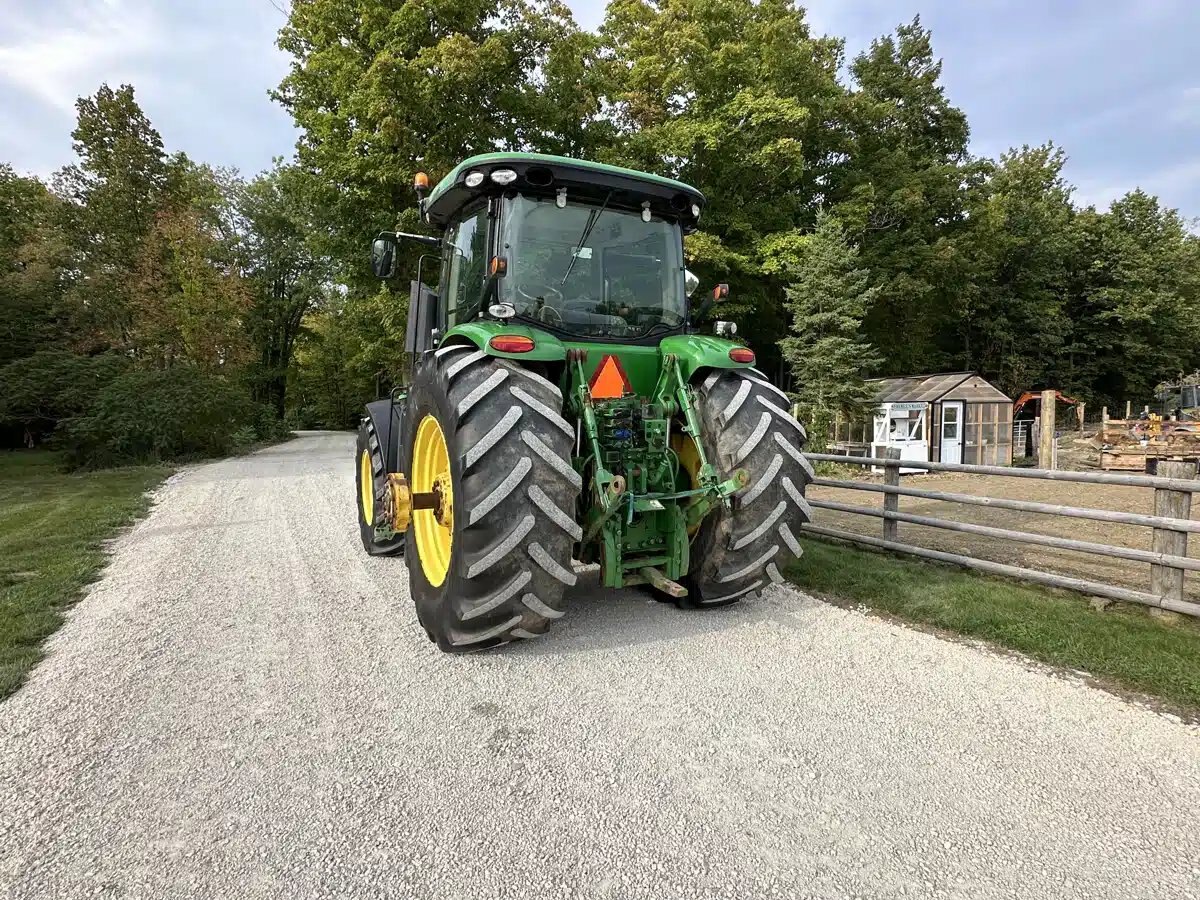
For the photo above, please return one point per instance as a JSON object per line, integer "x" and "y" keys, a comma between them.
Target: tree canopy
{"x": 859, "y": 233}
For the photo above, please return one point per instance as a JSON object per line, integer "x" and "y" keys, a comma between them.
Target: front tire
{"x": 370, "y": 482}
{"x": 746, "y": 423}
{"x": 490, "y": 436}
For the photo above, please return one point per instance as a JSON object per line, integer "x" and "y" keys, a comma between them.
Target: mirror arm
{"x": 719, "y": 293}
{"x": 427, "y": 240}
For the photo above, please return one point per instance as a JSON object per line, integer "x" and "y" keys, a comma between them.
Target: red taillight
{"x": 742, "y": 354}
{"x": 511, "y": 343}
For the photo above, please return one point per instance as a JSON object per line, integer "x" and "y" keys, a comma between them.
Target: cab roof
{"x": 584, "y": 180}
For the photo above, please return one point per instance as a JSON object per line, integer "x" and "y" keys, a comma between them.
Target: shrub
{"x": 148, "y": 416}
{"x": 268, "y": 426}
{"x": 40, "y": 391}
{"x": 245, "y": 437}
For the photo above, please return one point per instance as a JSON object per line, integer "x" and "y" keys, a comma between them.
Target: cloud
{"x": 1186, "y": 109}
{"x": 65, "y": 52}
{"x": 202, "y": 71}
{"x": 1167, "y": 183}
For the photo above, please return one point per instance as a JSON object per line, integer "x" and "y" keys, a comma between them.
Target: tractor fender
{"x": 546, "y": 347}
{"x": 700, "y": 352}
{"x": 388, "y": 417}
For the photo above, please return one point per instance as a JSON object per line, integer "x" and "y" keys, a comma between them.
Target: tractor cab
{"x": 561, "y": 406}
{"x": 578, "y": 249}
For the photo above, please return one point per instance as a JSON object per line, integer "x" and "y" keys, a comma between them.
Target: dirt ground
{"x": 1096, "y": 496}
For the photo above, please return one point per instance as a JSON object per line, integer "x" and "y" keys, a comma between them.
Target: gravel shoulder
{"x": 245, "y": 706}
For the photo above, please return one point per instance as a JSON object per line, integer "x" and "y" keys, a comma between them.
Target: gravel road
{"x": 245, "y": 707}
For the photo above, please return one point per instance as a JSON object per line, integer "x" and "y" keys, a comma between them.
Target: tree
{"x": 287, "y": 277}
{"x": 186, "y": 306}
{"x": 736, "y": 98}
{"x": 114, "y": 193}
{"x": 33, "y": 253}
{"x": 826, "y": 351}
{"x": 337, "y": 370}
{"x": 899, "y": 190}
{"x": 40, "y": 391}
{"x": 382, "y": 90}
{"x": 1012, "y": 265}
{"x": 1135, "y": 301}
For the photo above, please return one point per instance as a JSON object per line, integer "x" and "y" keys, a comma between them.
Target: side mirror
{"x": 383, "y": 256}
{"x": 719, "y": 293}
{"x": 690, "y": 282}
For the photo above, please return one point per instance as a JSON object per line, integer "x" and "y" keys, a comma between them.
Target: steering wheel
{"x": 541, "y": 292}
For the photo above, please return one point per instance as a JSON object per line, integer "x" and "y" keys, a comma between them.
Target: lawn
{"x": 1123, "y": 646}
{"x": 52, "y": 532}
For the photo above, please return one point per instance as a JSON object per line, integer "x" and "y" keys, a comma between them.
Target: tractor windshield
{"x": 592, "y": 270}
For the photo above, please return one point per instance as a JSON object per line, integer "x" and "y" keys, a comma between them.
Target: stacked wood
{"x": 1127, "y": 444}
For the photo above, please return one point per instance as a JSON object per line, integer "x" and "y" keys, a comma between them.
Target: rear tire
{"x": 369, "y": 463}
{"x": 746, "y": 423}
{"x": 513, "y": 528}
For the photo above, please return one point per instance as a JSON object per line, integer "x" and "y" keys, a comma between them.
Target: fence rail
{"x": 1171, "y": 524}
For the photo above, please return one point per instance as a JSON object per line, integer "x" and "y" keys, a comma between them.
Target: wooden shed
{"x": 951, "y": 417}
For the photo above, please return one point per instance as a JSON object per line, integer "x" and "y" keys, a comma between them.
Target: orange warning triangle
{"x": 609, "y": 381}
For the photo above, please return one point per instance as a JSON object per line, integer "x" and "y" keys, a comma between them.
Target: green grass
{"x": 1122, "y": 646}
{"x": 52, "y": 532}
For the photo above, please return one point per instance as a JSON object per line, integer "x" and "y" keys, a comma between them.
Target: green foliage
{"x": 153, "y": 415}
{"x": 735, "y": 97}
{"x": 381, "y": 90}
{"x": 827, "y": 354}
{"x": 1013, "y": 267}
{"x": 32, "y": 257}
{"x": 50, "y": 386}
{"x": 286, "y": 275}
{"x": 345, "y": 359}
{"x": 858, "y": 233}
{"x": 900, "y": 194}
{"x": 113, "y": 194}
{"x": 1136, "y": 303}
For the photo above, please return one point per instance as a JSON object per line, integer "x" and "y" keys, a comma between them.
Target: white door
{"x": 952, "y": 414}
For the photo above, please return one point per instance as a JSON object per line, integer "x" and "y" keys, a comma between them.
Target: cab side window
{"x": 466, "y": 249}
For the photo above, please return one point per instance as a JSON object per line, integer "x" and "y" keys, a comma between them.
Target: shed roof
{"x": 967, "y": 386}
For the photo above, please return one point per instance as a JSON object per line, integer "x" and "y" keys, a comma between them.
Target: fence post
{"x": 1046, "y": 435}
{"x": 891, "y": 502}
{"x": 1166, "y": 582}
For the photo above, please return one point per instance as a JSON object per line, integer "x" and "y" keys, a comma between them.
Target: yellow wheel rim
{"x": 430, "y": 470}
{"x": 366, "y": 488}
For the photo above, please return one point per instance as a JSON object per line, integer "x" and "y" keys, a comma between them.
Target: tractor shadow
{"x": 599, "y": 619}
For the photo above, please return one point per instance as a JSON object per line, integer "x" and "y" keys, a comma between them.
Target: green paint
{"x": 638, "y": 502}
{"x": 489, "y": 161}
{"x": 546, "y": 347}
{"x": 640, "y": 517}
{"x": 701, "y": 351}
{"x": 642, "y": 364}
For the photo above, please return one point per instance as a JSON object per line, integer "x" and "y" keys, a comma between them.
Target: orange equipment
{"x": 1037, "y": 395}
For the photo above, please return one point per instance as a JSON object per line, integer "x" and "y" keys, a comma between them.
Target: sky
{"x": 1114, "y": 82}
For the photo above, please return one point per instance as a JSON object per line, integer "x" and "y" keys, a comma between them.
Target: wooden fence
{"x": 1173, "y": 488}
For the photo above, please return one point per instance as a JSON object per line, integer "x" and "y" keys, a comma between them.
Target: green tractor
{"x": 562, "y": 406}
